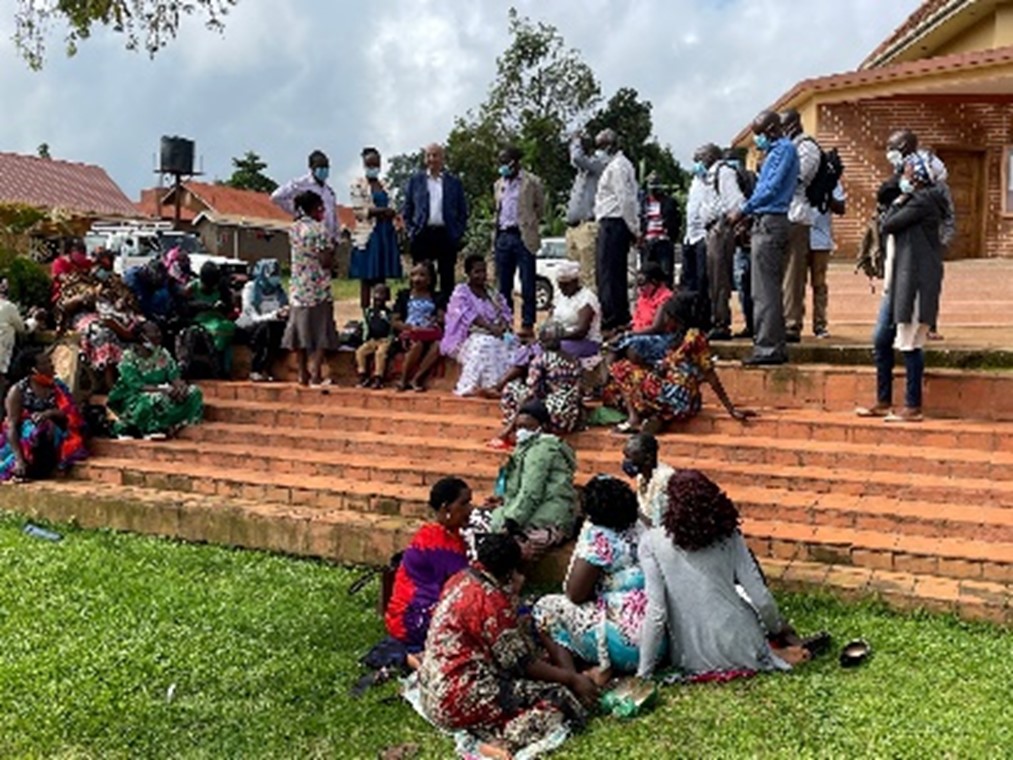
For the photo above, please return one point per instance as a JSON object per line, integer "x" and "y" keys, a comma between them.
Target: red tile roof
{"x": 898, "y": 72}
{"x": 48, "y": 183}
{"x": 913, "y": 26}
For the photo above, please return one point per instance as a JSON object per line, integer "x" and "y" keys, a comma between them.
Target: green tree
{"x": 147, "y": 24}
{"x": 248, "y": 174}
{"x": 542, "y": 89}
{"x": 400, "y": 168}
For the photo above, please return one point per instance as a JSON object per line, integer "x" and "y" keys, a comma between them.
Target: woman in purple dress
{"x": 478, "y": 334}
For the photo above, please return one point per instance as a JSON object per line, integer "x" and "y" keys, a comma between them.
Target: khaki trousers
{"x": 581, "y": 244}
{"x": 793, "y": 296}
{"x": 378, "y": 347}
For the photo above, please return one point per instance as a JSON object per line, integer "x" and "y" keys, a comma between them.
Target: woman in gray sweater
{"x": 692, "y": 566}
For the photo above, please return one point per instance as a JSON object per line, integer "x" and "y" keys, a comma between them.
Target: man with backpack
{"x": 800, "y": 216}
{"x": 725, "y": 196}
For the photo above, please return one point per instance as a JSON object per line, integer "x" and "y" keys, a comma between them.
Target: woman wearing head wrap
{"x": 177, "y": 263}
{"x": 912, "y": 285}
{"x": 263, "y": 316}
{"x": 577, "y": 310}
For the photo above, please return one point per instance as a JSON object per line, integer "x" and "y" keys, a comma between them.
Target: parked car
{"x": 547, "y": 261}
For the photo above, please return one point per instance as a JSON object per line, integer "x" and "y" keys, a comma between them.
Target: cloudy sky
{"x": 290, "y": 76}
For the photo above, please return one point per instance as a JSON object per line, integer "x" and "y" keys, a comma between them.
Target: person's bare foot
{"x": 600, "y": 676}
{"x": 494, "y": 751}
{"x": 794, "y": 655}
{"x": 413, "y": 661}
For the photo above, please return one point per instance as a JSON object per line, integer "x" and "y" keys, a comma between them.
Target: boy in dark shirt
{"x": 377, "y": 337}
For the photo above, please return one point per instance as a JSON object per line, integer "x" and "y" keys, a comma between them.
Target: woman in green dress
{"x": 205, "y": 347}
{"x": 149, "y": 398}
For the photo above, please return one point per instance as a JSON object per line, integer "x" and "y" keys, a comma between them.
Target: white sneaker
{"x": 822, "y": 334}
{"x": 258, "y": 377}
{"x": 155, "y": 437}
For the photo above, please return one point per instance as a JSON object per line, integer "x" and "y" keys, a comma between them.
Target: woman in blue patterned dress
{"x": 598, "y": 619}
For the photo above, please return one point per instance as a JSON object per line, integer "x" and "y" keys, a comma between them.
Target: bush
{"x": 29, "y": 281}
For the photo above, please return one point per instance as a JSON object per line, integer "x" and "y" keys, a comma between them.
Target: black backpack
{"x": 820, "y": 191}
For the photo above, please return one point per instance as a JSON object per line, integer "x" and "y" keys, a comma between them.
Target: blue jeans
{"x": 741, "y": 273}
{"x": 511, "y": 256}
{"x": 883, "y": 335}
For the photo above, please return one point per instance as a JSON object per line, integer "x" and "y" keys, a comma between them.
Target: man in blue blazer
{"x": 436, "y": 215}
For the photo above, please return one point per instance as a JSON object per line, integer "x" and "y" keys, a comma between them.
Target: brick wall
{"x": 859, "y": 132}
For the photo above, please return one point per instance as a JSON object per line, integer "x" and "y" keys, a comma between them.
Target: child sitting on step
{"x": 377, "y": 337}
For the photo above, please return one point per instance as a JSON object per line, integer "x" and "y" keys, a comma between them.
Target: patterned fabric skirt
{"x": 649, "y": 393}
{"x": 43, "y": 448}
{"x": 603, "y": 631}
{"x": 563, "y": 405}
{"x": 484, "y": 359}
{"x": 155, "y": 412}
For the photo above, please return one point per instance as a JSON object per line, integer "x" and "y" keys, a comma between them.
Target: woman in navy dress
{"x": 375, "y": 253}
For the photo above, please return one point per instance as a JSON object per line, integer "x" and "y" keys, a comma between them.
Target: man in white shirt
{"x": 800, "y": 216}
{"x": 616, "y": 210}
{"x": 315, "y": 181}
{"x": 724, "y": 196}
{"x": 694, "y": 244}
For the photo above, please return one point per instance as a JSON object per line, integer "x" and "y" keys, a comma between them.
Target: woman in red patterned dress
{"x": 480, "y": 671}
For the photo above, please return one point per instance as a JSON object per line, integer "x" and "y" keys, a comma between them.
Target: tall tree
{"x": 145, "y": 24}
{"x": 400, "y": 168}
{"x": 248, "y": 174}
{"x": 541, "y": 91}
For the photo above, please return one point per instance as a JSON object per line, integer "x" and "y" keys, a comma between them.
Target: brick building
{"x": 947, "y": 74}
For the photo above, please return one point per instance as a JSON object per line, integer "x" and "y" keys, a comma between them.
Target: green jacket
{"x": 539, "y": 485}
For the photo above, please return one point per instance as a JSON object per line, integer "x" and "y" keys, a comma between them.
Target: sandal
{"x": 872, "y": 411}
{"x": 626, "y": 428}
{"x": 499, "y": 444}
{"x": 905, "y": 415}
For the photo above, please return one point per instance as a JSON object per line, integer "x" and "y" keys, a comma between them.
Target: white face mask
{"x": 895, "y": 157}
{"x": 526, "y": 434}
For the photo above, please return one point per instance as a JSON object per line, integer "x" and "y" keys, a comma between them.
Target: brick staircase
{"x": 921, "y": 515}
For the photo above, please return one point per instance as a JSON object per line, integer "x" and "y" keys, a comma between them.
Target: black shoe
{"x": 743, "y": 335}
{"x": 719, "y": 333}
{"x": 792, "y": 337}
{"x": 764, "y": 361}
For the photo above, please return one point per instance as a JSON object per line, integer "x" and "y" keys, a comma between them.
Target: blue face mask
{"x": 321, "y": 173}
{"x": 372, "y": 172}
{"x": 699, "y": 169}
{"x": 630, "y": 470}
{"x": 906, "y": 186}
{"x": 601, "y": 154}
{"x": 504, "y": 170}
{"x": 274, "y": 281}
{"x": 762, "y": 142}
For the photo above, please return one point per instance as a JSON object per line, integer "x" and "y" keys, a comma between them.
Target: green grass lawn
{"x": 121, "y": 646}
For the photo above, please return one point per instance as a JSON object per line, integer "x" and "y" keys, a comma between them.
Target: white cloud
{"x": 293, "y": 76}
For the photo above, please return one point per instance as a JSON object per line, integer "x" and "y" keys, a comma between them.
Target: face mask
{"x": 103, "y": 274}
{"x": 762, "y": 142}
{"x": 46, "y": 381}
{"x": 525, "y": 434}
{"x": 321, "y": 173}
{"x": 148, "y": 344}
{"x": 906, "y": 186}
{"x": 504, "y": 170}
{"x": 630, "y": 469}
{"x": 895, "y": 157}
{"x": 699, "y": 169}
{"x": 601, "y": 154}
{"x": 274, "y": 281}
{"x": 372, "y": 172}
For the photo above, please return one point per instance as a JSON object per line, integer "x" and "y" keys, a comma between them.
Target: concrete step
{"x": 783, "y": 424}
{"x": 796, "y": 518}
{"x": 422, "y": 466}
{"x": 679, "y": 449}
{"x": 984, "y": 591}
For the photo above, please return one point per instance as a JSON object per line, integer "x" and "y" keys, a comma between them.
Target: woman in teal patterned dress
{"x": 149, "y": 398}
{"x": 598, "y": 619}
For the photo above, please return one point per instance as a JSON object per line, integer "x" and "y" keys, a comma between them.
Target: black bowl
{"x": 855, "y": 653}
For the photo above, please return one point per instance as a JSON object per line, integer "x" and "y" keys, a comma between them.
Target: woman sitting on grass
{"x": 417, "y": 318}
{"x": 598, "y": 618}
{"x": 43, "y": 431}
{"x": 478, "y": 331}
{"x": 692, "y": 566}
{"x": 436, "y": 552}
{"x": 481, "y": 671}
{"x": 149, "y": 398}
{"x": 657, "y": 392}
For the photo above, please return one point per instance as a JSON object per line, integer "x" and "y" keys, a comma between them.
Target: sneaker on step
{"x": 822, "y": 333}
{"x": 155, "y": 437}
{"x": 258, "y": 377}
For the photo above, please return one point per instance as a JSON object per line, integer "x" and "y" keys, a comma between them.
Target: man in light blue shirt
{"x": 821, "y": 247}
{"x": 769, "y": 205}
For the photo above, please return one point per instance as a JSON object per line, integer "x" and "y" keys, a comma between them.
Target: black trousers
{"x": 661, "y": 252}
{"x": 265, "y": 341}
{"x": 434, "y": 245}
{"x": 694, "y": 278}
{"x": 612, "y": 260}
